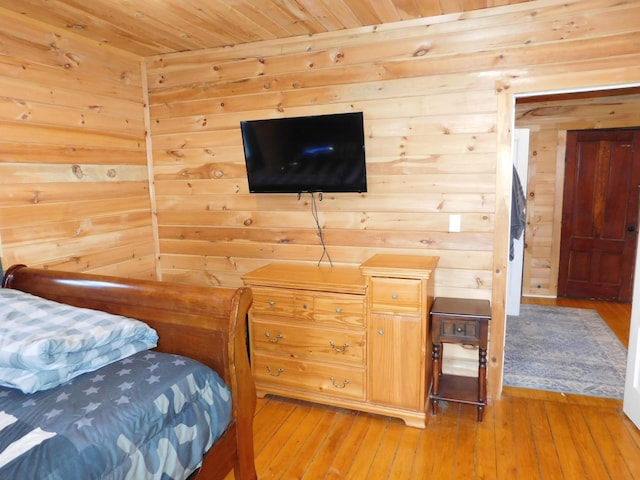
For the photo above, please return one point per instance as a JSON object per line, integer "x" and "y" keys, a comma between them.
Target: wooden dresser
{"x": 345, "y": 336}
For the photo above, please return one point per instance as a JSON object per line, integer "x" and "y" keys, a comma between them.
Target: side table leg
{"x": 436, "y": 372}
{"x": 482, "y": 382}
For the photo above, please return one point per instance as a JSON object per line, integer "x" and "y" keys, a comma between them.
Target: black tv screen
{"x": 321, "y": 153}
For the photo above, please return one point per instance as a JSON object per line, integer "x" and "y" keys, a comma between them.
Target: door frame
{"x": 506, "y": 93}
{"x": 631, "y": 402}
{"x": 516, "y": 266}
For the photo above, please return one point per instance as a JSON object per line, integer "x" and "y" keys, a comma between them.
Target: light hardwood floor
{"x": 528, "y": 434}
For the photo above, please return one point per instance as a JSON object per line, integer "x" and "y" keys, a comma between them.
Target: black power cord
{"x": 314, "y": 212}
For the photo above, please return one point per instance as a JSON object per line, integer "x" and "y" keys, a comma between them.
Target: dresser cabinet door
{"x": 396, "y": 361}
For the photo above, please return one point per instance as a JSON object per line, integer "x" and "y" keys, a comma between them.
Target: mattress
{"x": 149, "y": 416}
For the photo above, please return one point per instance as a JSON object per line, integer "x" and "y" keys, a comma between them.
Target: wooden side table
{"x": 464, "y": 322}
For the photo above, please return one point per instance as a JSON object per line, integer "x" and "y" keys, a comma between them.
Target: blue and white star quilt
{"x": 149, "y": 416}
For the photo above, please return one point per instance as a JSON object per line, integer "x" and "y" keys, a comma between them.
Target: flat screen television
{"x": 320, "y": 153}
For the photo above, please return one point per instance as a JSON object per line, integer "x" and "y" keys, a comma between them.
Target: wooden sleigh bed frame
{"x": 204, "y": 323}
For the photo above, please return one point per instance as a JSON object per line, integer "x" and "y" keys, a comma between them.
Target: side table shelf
{"x": 463, "y": 322}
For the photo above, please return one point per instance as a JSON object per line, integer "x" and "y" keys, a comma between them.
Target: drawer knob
{"x": 343, "y": 349}
{"x": 304, "y": 305}
{"x": 271, "y": 303}
{"x": 337, "y": 385}
{"x": 338, "y": 310}
{"x": 276, "y": 339}
{"x": 274, "y": 374}
{"x": 459, "y": 329}
{"x": 381, "y": 332}
{"x": 394, "y": 296}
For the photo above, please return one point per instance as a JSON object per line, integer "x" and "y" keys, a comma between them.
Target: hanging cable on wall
{"x": 314, "y": 212}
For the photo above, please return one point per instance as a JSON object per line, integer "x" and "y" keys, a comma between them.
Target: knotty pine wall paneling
{"x": 438, "y": 102}
{"x": 74, "y": 190}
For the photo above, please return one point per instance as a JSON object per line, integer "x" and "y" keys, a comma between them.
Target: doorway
{"x": 563, "y": 110}
{"x": 599, "y": 214}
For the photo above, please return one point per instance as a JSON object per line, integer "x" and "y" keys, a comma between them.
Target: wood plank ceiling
{"x": 151, "y": 27}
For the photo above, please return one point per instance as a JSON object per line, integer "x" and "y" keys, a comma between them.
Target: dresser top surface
{"x": 342, "y": 279}
{"x": 400, "y": 265}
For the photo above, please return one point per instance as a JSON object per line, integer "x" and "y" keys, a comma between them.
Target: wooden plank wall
{"x": 548, "y": 119}
{"x": 74, "y": 190}
{"x": 430, "y": 107}
{"x": 428, "y": 138}
{"x": 438, "y": 107}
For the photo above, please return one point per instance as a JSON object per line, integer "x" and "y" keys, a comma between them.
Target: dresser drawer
{"x": 313, "y": 377}
{"x": 458, "y": 330}
{"x": 303, "y": 342}
{"x": 272, "y": 301}
{"x": 396, "y": 295}
{"x": 340, "y": 310}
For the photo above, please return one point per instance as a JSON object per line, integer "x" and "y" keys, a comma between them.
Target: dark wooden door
{"x": 600, "y": 214}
